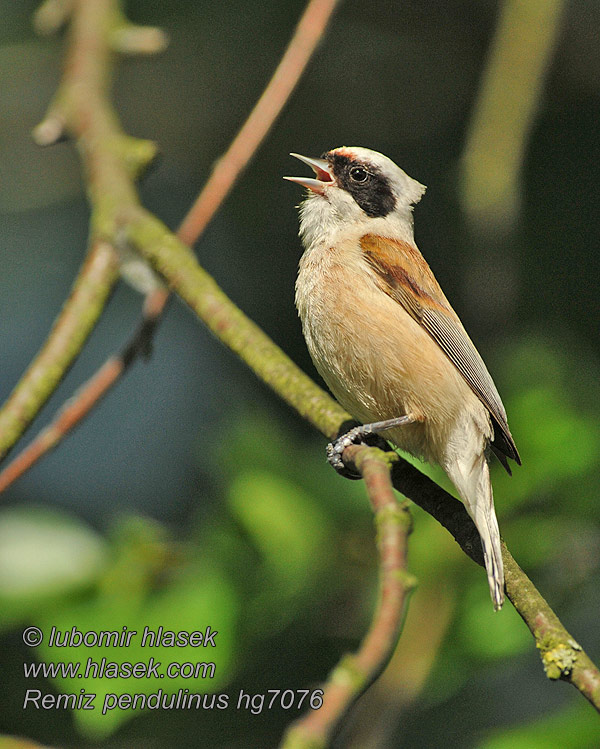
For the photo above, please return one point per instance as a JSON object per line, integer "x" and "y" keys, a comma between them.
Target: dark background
{"x": 192, "y": 490}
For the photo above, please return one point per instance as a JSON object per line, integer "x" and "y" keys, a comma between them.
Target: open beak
{"x": 320, "y": 167}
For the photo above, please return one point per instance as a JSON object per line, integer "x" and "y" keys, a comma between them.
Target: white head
{"x": 356, "y": 190}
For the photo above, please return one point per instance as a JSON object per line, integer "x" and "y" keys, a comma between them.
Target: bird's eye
{"x": 359, "y": 174}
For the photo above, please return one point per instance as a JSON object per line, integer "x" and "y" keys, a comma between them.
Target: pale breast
{"x": 376, "y": 359}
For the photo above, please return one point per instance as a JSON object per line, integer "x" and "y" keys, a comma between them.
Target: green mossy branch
{"x": 112, "y": 160}
{"x": 176, "y": 263}
{"x": 562, "y": 656}
{"x": 70, "y": 331}
{"x": 357, "y": 671}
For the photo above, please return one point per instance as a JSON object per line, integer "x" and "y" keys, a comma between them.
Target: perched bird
{"x": 385, "y": 339}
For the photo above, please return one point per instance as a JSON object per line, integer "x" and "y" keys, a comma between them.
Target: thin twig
{"x": 309, "y": 31}
{"x": 76, "y": 408}
{"x": 307, "y": 35}
{"x": 89, "y": 394}
{"x": 355, "y": 673}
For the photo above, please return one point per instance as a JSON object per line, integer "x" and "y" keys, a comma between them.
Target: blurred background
{"x": 192, "y": 496}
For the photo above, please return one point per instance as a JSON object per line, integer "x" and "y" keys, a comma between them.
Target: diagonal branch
{"x": 174, "y": 262}
{"x": 562, "y": 656}
{"x": 491, "y": 163}
{"x": 309, "y": 31}
{"x": 307, "y": 35}
{"x": 355, "y": 673}
{"x": 111, "y": 175}
{"x": 70, "y": 331}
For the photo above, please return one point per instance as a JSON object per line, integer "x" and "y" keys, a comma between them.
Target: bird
{"x": 385, "y": 339}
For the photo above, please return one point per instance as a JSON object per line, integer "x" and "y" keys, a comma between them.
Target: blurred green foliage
{"x": 291, "y": 543}
{"x": 574, "y": 728}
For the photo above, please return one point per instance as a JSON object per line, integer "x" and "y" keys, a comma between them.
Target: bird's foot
{"x": 366, "y": 433}
{"x": 358, "y": 434}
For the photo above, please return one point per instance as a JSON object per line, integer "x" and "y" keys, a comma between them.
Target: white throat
{"x": 322, "y": 222}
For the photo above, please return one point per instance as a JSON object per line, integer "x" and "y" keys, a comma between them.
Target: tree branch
{"x": 117, "y": 214}
{"x": 113, "y": 160}
{"x": 355, "y": 673}
{"x": 562, "y": 656}
{"x": 180, "y": 269}
{"x": 70, "y": 331}
{"x": 309, "y": 31}
{"x": 307, "y": 35}
{"x": 491, "y": 163}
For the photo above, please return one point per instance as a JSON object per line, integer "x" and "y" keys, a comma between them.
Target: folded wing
{"x": 405, "y": 277}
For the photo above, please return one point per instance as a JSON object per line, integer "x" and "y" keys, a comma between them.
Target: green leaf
{"x": 285, "y": 524}
{"x": 575, "y": 727}
{"x": 44, "y": 555}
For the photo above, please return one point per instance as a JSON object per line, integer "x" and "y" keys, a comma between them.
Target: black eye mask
{"x": 373, "y": 193}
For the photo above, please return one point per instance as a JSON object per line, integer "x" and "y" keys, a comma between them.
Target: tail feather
{"x": 475, "y": 489}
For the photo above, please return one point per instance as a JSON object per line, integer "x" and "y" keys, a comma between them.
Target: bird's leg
{"x": 358, "y": 434}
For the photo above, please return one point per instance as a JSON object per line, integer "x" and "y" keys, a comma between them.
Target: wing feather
{"x": 406, "y": 277}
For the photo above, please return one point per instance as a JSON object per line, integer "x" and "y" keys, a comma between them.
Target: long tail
{"x": 472, "y": 481}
